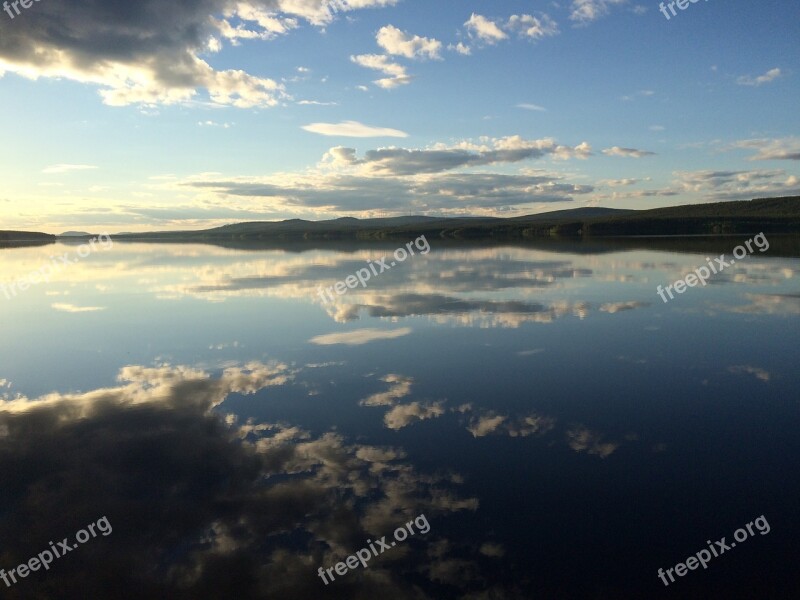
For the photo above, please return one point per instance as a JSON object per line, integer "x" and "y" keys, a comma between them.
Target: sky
{"x": 121, "y": 115}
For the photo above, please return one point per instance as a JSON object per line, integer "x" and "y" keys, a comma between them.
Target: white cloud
{"x": 461, "y": 48}
{"x": 586, "y": 11}
{"x": 770, "y": 149}
{"x": 397, "y": 42}
{"x": 526, "y": 106}
{"x": 71, "y": 308}
{"x": 406, "y": 414}
{"x": 353, "y": 129}
{"x": 389, "y": 83}
{"x": 359, "y": 337}
{"x": 767, "y": 77}
{"x": 484, "y": 29}
{"x": 380, "y": 62}
{"x": 627, "y": 152}
{"x": 533, "y": 27}
{"x": 618, "y": 182}
{"x": 738, "y": 185}
{"x": 316, "y": 103}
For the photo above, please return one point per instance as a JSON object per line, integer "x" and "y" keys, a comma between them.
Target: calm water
{"x": 565, "y": 433}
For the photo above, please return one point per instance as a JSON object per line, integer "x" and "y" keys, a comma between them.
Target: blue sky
{"x": 123, "y": 116}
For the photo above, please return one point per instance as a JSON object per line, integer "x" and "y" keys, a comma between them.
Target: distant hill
{"x": 25, "y": 238}
{"x": 75, "y": 234}
{"x": 775, "y": 215}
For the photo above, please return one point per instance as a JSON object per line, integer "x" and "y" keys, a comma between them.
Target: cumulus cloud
{"x": 767, "y": 77}
{"x": 485, "y": 30}
{"x": 404, "y": 415}
{"x": 586, "y": 11}
{"x": 203, "y": 506}
{"x": 399, "y": 387}
{"x": 460, "y": 48}
{"x": 397, "y": 42}
{"x": 150, "y": 52}
{"x": 582, "y": 439}
{"x": 353, "y": 129}
{"x": 397, "y": 74}
{"x": 491, "y": 31}
{"x": 627, "y": 152}
{"x": 533, "y": 27}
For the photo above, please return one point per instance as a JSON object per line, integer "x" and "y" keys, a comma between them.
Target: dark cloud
{"x": 149, "y": 51}
{"x": 446, "y": 192}
{"x": 200, "y": 508}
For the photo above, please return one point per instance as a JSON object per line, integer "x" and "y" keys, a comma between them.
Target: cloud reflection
{"x": 204, "y": 506}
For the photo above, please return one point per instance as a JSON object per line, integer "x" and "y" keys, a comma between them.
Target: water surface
{"x": 564, "y": 432}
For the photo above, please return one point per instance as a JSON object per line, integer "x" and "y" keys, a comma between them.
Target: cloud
{"x": 486, "y": 424}
{"x": 399, "y": 180}
{"x": 639, "y": 94}
{"x": 71, "y": 308}
{"x": 770, "y": 149}
{"x": 404, "y": 415}
{"x": 767, "y": 77}
{"x": 460, "y": 48}
{"x": 582, "y": 439}
{"x": 586, "y": 11}
{"x": 397, "y": 73}
{"x": 757, "y": 372}
{"x": 615, "y": 307}
{"x": 526, "y": 106}
{"x": 484, "y": 29}
{"x": 397, "y": 42}
{"x": 66, "y": 168}
{"x": 152, "y": 52}
{"x": 738, "y": 185}
{"x": 353, "y": 129}
{"x": 533, "y": 27}
{"x": 511, "y": 149}
{"x": 316, "y": 103}
{"x": 627, "y": 152}
{"x": 400, "y": 387}
{"x": 250, "y": 508}
{"x": 618, "y": 182}
{"x": 359, "y": 337}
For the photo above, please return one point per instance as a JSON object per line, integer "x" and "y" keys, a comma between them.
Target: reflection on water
{"x": 565, "y": 432}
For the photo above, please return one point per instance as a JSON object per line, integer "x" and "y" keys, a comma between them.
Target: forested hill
{"x": 774, "y": 215}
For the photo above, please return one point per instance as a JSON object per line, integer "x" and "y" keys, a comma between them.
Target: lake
{"x": 535, "y": 419}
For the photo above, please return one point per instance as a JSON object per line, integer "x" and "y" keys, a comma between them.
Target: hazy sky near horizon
{"x": 130, "y": 116}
